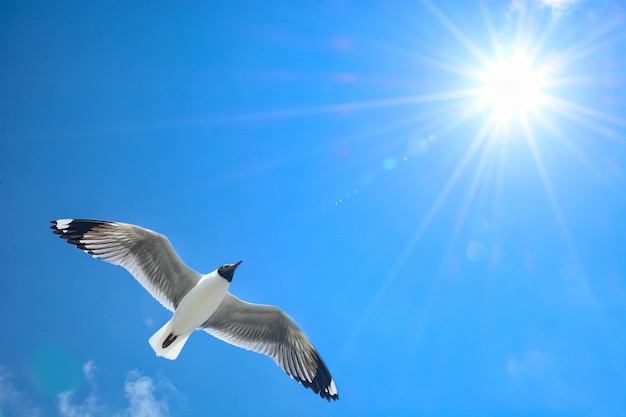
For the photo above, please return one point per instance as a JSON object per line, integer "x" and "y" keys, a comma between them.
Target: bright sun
{"x": 510, "y": 88}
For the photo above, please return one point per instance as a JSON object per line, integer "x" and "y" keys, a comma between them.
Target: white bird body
{"x": 196, "y": 307}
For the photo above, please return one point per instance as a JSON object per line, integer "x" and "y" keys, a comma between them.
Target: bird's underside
{"x": 150, "y": 258}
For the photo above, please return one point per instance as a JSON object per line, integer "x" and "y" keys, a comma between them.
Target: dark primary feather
{"x": 268, "y": 330}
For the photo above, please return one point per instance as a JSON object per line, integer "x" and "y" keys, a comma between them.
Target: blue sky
{"x": 449, "y": 233}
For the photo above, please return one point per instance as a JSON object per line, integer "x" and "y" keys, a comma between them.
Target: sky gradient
{"x": 445, "y": 256}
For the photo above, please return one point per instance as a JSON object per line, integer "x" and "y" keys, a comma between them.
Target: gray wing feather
{"x": 147, "y": 255}
{"x": 270, "y": 331}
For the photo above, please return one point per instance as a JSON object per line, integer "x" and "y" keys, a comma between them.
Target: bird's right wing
{"x": 269, "y": 330}
{"x": 147, "y": 255}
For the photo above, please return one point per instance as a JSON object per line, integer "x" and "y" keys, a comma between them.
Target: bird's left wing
{"x": 269, "y": 330}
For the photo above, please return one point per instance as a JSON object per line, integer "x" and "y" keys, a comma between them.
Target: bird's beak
{"x": 237, "y": 264}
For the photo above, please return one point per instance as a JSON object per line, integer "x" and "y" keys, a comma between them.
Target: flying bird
{"x": 200, "y": 301}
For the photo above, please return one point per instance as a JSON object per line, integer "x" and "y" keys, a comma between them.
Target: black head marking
{"x": 227, "y": 271}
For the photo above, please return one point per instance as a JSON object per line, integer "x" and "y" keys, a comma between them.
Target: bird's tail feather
{"x": 172, "y": 350}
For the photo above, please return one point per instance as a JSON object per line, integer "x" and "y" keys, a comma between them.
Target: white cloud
{"x": 12, "y": 401}
{"x": 140, "y": 393}
{"x": 559, "y": 6}
{"x": 89, "y": 369}
{"x": 142, "y": 402}
{"x": 556, "y": 6}
{"x": 88, "y": 408}
{"x": 7, "y": 390}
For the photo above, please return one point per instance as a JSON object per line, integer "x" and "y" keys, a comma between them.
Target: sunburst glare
{"x": 511, "y": 87}
{"x": 526, "y": 82}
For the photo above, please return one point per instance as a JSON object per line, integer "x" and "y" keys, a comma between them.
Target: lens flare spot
{"x": 476, "y": 251}
{"x": 390, "y": 164}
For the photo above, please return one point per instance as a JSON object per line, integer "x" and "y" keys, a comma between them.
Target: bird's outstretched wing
{"x": 269, "y": 330}
{"x": 147, "y": 255}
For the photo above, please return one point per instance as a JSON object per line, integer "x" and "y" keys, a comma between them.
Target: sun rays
{"x": 522, "y": 86}
{"x": 513, "y": 89}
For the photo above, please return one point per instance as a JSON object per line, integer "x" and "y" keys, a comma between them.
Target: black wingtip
{"x": 73, "y": 230}
{"x": 323, "y": 383}
{"x": 55, "y": 228}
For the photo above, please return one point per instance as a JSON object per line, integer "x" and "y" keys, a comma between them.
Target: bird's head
{"x": 227, "y": 271}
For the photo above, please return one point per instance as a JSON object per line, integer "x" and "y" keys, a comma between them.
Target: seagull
{"x": 200, "y": 301}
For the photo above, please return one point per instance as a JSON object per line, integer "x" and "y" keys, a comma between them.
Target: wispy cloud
{"x": 139, "y": 389}
{"x": 560, "y": 6}
{"x": 12, "y": 401}
{"x": 557, "y": 6}
{"x": 145, "y": 397}
{"x": 140, "y": 394}
{"x": 89, "y": 369}
{"x": 89, "y": 407}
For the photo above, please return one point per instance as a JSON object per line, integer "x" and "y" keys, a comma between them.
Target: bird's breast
{"x": 199, "y": 303}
